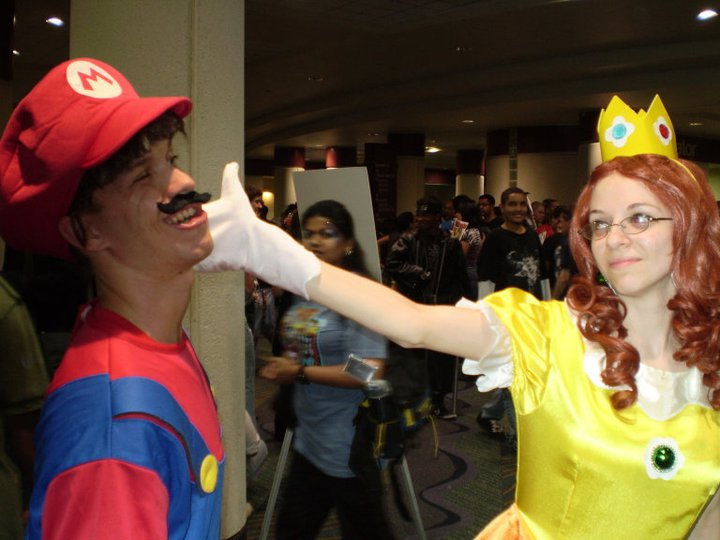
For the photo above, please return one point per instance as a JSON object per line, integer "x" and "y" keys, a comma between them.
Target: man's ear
{"x": 92, "y": 240}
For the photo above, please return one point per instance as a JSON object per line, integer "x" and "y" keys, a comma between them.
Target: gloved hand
{"x": 244, "y": 242}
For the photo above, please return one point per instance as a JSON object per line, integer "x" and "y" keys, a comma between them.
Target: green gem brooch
{"x": 663, "y": 458}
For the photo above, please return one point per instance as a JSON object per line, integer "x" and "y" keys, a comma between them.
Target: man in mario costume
{"x": 129, "y": 443}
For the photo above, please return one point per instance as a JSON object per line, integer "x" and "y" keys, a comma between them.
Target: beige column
{"x": 409, "y": 149}
{"x": 192, "y": 48}
{"x": 588, "y": 158}
{"x": 285, "y": 187}
{"x": 410, "y": 181}
{"x": 469, "y": 179}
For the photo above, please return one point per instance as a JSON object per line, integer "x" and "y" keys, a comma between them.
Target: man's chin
{"x": 203, "y": 250}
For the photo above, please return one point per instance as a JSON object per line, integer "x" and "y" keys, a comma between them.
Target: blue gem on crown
{"x": 619, "y": 131}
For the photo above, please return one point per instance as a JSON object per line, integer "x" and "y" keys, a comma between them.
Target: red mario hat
{"x": 76, "y": 117}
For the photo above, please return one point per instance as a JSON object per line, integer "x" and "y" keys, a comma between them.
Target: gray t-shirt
{"x": 321, "y": 337}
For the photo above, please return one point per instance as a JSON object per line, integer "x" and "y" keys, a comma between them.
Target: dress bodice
{"x": 586, "y": 470}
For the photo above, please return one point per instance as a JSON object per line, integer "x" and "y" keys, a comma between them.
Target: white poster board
{"x": 351, "y": 187}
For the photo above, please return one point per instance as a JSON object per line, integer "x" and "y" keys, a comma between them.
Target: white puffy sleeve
{"x": 496, "y": 369}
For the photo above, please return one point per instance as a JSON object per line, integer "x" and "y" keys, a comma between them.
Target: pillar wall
{"x": 409, "y": 149}
{"x": 410, "y": 182}
{"x": 201, "y": 57}
{"x": 472, "y": 185}
{"x": 469, "y": 179}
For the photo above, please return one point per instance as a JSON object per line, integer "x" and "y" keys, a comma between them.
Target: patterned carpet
{"x": 459, "y": 489}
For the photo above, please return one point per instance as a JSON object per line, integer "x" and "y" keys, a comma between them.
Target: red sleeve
{"x": 106, "y": 499}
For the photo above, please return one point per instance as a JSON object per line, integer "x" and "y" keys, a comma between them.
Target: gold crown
{"x": 623, "y": 132}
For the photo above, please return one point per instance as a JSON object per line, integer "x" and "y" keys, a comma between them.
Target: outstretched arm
{"x": 453, "y": 330}
{"x": 244, "y": 242}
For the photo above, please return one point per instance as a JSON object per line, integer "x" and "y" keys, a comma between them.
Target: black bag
{"x": 384, "y": 425}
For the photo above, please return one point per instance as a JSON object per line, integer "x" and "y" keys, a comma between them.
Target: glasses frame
{"x": 592, "y": 234}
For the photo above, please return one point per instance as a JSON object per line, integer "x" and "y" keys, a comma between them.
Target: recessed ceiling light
{"x": 55, "y": 21}
{"x": 706, "y": 14}
{"x": 432, "y": 149}
{"x": 696, "y": 124}
{"x": 461, "y": 49}
{"x": 16, "y": 52}
{"x": 468, "y": 121}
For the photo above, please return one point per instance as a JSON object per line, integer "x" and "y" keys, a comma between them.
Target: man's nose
{"x": 181, "y": 181}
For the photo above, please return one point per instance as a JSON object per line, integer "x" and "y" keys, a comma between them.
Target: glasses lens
{"x": 635, "y": 224}
{"x": 589, "y": 231}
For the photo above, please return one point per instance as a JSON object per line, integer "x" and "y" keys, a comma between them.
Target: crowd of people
{"x": 597, "y": 329}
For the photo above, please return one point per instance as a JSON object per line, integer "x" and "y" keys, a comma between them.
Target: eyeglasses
{"x": 635, "y": 224}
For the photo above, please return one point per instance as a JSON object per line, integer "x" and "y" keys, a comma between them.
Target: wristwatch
{"x": 300, "y": 377}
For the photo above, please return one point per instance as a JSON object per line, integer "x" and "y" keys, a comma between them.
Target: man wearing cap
{"x": 129, "y": 441}
{"x": 429, "y": 267}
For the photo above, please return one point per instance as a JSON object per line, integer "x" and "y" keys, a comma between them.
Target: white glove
{"x": 244, "y": 242}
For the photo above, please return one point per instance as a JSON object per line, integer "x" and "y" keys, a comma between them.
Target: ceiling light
{"x": 461, "y": 49}
{"x": 706, "y": 14}
{"x": 468, "y": 121}
{"x": 696, "y": 124}
{"x": 16, "y": 52}
{"x": 55, "y": 21}
{"x": 432, "y": 149}
{"x": 314, "y": 78}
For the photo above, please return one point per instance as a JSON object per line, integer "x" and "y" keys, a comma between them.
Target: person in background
{"x": 23, "y": 380}
{"x": 542, "y": 221}
{"x": 486, "y": 211}
{"x": 512, "y": 254}
{"x": 550, "y": 206}
{"x": 255, "y": 301}
{"x": 129, "y": 442}
{"x": 448, "y": 216}
{"x": 556, "y": 250}
{"x": 317, "y": 342}
{"x": 401, "y": 224}
{"x": 471, "y": 241}
{"x": 286, "y": 218}
{"x": 254, "y": 195}
{"x": 429, "y": 267}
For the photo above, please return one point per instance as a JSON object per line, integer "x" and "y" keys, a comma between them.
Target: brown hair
{"x": 683, "y": 188}
{"x": 164, "y": 127}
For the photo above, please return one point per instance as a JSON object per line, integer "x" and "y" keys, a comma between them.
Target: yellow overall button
{"x": 208, "y": 473}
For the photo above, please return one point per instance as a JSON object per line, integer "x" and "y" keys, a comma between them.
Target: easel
{"x": 455, "y": 388}
{"x": 280, "y": 470}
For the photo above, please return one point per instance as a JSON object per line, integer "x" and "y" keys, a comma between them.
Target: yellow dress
{"x": 585, "y": 470}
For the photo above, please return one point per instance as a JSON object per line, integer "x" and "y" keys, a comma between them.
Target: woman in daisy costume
{"x": 617, "y": 388}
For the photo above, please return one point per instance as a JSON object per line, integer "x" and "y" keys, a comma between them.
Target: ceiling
{"x": 320, "y": 73}
{"x": 347, "y": 72}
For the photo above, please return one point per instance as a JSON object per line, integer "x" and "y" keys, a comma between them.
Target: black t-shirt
{"x": 509, "y": 259}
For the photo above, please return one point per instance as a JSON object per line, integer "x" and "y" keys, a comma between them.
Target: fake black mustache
{"x": 181, "y": 200}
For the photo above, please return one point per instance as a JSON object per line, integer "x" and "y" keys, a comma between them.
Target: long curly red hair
{"x": 695, "y": 266}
